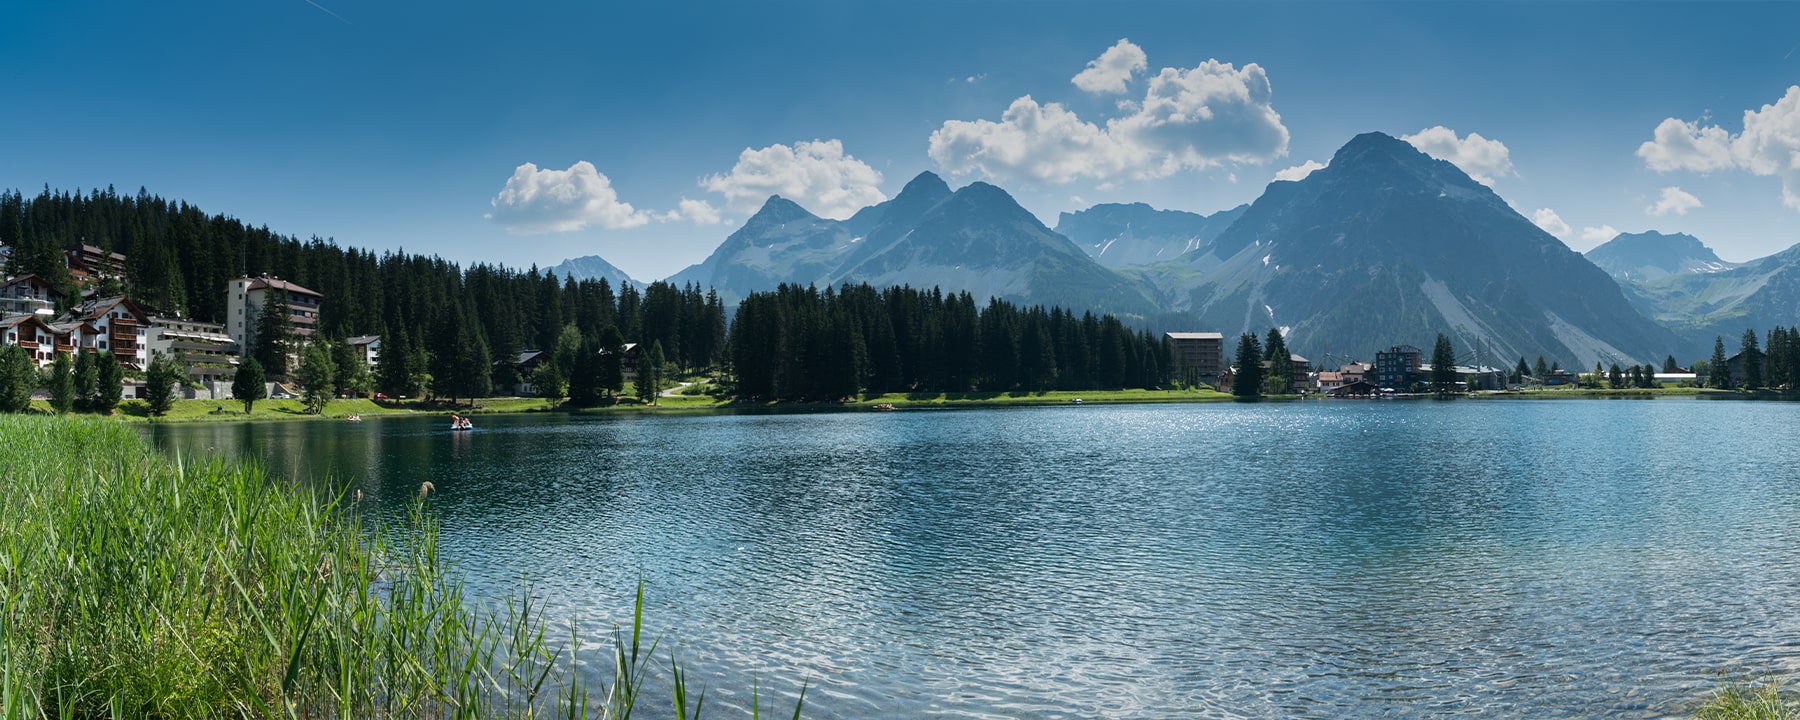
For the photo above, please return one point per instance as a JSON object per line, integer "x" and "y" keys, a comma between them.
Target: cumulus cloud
{"x": 1113, "y": 69}
{"x": 817, "y": 174}
{"x": 1299, "y": 172}
{"x": 1674, "y": 200}
{"x": 1212, "y": 114}
{"x": 1551, "y": 222}
{"x": 699, "y": 212}
{"x": 539, "y": 201}
{"x": 1483, "y": 159}
{"x": 1599, "y": 234}
{"x": 1768, "y": 145}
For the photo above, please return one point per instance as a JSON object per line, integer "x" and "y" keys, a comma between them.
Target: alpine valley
{"x": 1384, "y": 245}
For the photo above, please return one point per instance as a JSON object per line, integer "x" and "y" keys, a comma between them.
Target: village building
{"x": 1398, "y": 367}
{"x": 32, "y": 334}
{"x": 89, "y": 263}
{"x": 246, "y": 296}
{"x": 1199, "y": 356}
{"x": 117, "y": 325}
{"x": 205, "y": 349}
{"x": 28, "y": 295}
{"x": 367, "y": 348}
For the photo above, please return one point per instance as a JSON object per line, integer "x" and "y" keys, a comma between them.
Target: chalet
{"x": 73, "y": 335}
{"x": 32, "y": 334}
{"x": 1355, "y": 371}
{"x": 367, "y": 348}
{"x": 527, "y": 363}
{"x": 1329, "y": 380}
{"x": 88, "y": 263}
{"x": 119, "y": 325}
{"x": 28, "y": 295}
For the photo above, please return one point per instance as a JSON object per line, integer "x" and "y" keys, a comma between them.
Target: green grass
{"x": 137, "y": 585}
{"x": 1750, "y": 701}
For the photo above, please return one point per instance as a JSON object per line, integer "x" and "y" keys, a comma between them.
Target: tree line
{"x": 804, "y": 343}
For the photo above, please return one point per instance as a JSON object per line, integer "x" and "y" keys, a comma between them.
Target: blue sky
{"x": 530, "y": 132}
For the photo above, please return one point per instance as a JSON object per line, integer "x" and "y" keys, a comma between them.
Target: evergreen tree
{"x": 62, "y": 385}
{"x": 159, "y": 384}
{"x": 1520, "y": 371}
{"x": 650, "y": 375}
{"x": 87, "y": 386}
{"x": 18, "y": 378}
{"x": 1280, "y": 378}
{"x": 1719, "y": 370}
{"x": 396, "y": 370}
{"x": 1248, "y": 382}
{"x": 1669, "y": 365}
{"x": 548, "y": 381}
{"x": 109, "y": 382}
{"x": 1539, "y": 370}
{"x": 348, "y": 371}
{"x": 1443, "y": 366}
{"x": 247, "y": 387}
{"x": 1615, "y": 377}
{"x": 1751, "y": 358}
{"x": 274, "y": 333}
{"x": 609, "y": 361}
{"x": 315, "y": 376}
{"x": 584, "y": 374}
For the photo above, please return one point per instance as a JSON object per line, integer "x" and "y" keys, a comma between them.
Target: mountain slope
{"x": 1386, "y": 245}
{"x": 592, "y": 267}
{"x": 976, "y": 239}
{"x": 1649, "y": 256}
{"x": 1137, "y": 234}
{"x": 1698, "y": 307}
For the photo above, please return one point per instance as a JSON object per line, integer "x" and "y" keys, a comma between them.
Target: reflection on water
{"x": 1517, "y": 559}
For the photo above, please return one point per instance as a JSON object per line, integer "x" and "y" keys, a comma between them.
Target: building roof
{"x": 363, "y": 340}
{"x": 259, "y": 283}
{"x": 93, "y": 309}
{"x": 18, "y": 320}
{"x": 1195, "y": 335}
{"x": 33, "y": 280}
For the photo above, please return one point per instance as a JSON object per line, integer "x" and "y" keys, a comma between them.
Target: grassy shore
{"x": 1049, "y": 397}
{"x": 136, "y": 585}
{"x": 1751, "y": 701}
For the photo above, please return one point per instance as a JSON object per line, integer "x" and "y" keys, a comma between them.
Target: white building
{"x": 367, "y": 348}
{"x": 208, "y": 352}
{"x": 116, "y": 324}
{"x": 244, "y": 301}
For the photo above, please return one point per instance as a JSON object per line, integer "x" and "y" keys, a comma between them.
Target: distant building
{"x": 88, "y": 263}
{"x": 367, "y": 348}
{"x": 209, "y": 353}
{"x": 1737, "y": 366}
{"x": 244, "y": 301}
{"x": 28, "y": 295}
{"x": 31, "y": 334}
{"x": 1360, "y": 388}
{"x": 1199, "y": 356}
{"x": 1329, "y": 380}
{"x": 1354, "y": 372}
{"x": 527, "y": 364}
{"x": 1398, "y": 367}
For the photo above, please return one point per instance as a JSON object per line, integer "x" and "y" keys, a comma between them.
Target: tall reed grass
{"x": 136, "y": 585}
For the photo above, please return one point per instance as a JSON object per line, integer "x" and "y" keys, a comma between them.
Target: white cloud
{"x": 1299, "y": 172}
{"x": 1599, "y": 234}
{"x": 540, "y": 201}
{"x": 1483, "y": 159}
{"x": 1768, "y": 145}
{"x": 817, "y": 175}
{"x": 1191, "y": 119}
{"x": 1551, "y": 222}
{"x": 1674, "y": 200}
{"x": 1113, "y": 69}
{"x": 699, "y": 212}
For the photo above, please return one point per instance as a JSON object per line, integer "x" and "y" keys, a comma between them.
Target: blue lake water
{"x": 1536, "y": 559}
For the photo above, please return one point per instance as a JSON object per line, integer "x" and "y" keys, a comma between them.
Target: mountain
{"x": 1698, "y": 307}
{"x": 1385, "y": 246}
{"x": 592, "y": 267}
{"x": 1652, "y": 255}
{"x": 1137, "y": 234}
{"x": 976, "y": 239}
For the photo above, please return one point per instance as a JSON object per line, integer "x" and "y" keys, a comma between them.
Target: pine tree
{"x": 1751, "y": 358}
{"x": 609, "y": 359}
{"x": 1520, "y": 371}
{"x": 1443, "y": 366}
{"x": 274, "y": 333}
{"x": 87, "y": 387}
{"x": 650, "y": 375}
{"x": 62, "y": 385}
{"x": 1719, "y": 375}
{"x": 159, "y": 384}
{"x": 1280, "y": 378}
{"x": 1540, "y": 370}
{"x": 1615, "y": 377}
{"x": 1248, "y": 382}
{"x": 109, "y": 382}
{"x": 247, "y": 387}
{"x": 18, "y": 378}
{"x": 314, "y": 375}
{"x": 1669, "y": 365}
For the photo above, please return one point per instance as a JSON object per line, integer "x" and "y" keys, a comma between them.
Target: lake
{"x": 1555, "y": 558}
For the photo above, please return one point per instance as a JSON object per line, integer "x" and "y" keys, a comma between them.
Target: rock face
{"x": 1700, "y": 306}
{"x": 1649, "y": 256}
{"x": 592, "y": 267}
{"x": 1386, "y": 245}
{"x": 1137, "y": 234}
{"x": 976, "y": 239}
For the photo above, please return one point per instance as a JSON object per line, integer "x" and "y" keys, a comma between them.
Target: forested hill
{"x": 428, "y": 310}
